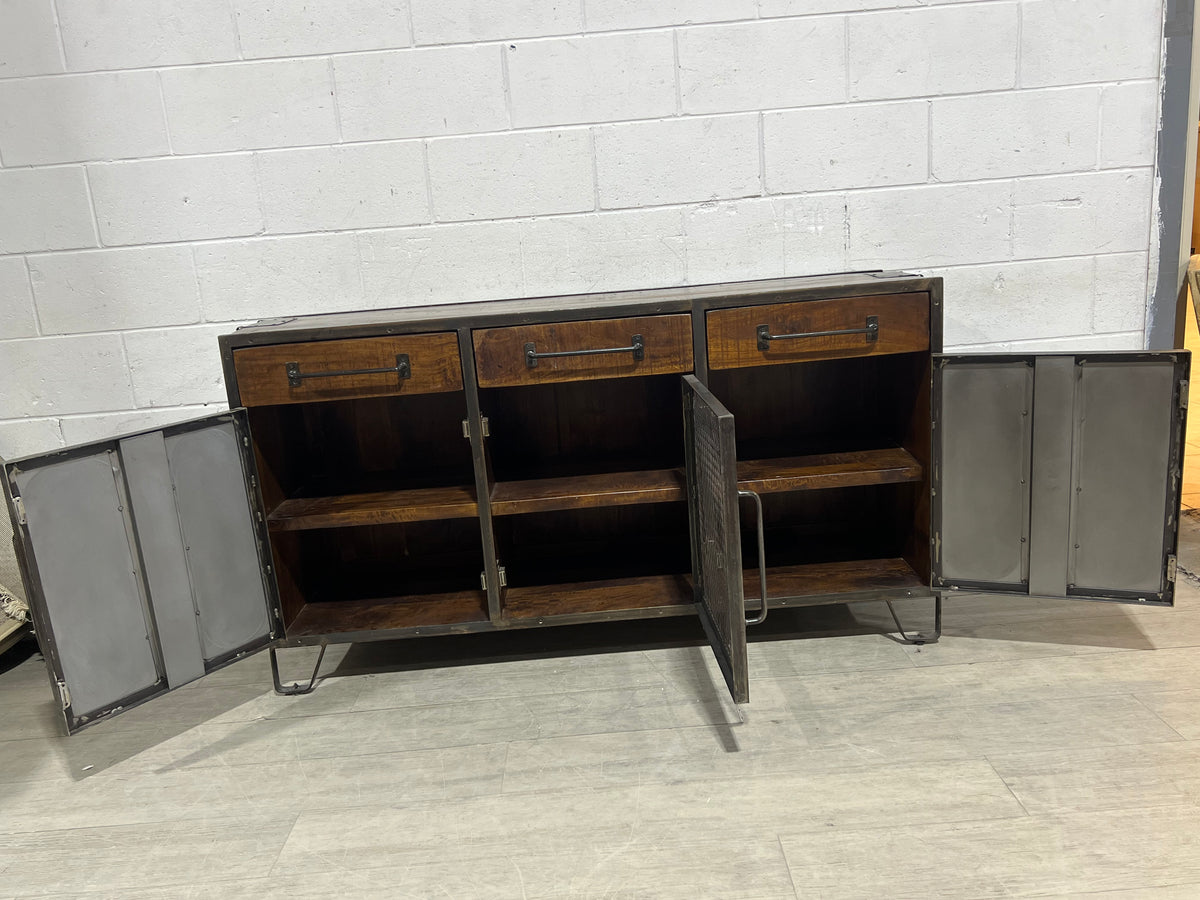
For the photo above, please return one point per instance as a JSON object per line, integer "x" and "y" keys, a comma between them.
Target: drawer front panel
{"x": 817, "y": 329}
{"x": 581, "y": 351}
{"x": 342, "y": 370}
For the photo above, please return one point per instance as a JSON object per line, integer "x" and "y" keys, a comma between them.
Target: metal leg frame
{"x": 295, "y": 688}
{"x": 920, "y": 638}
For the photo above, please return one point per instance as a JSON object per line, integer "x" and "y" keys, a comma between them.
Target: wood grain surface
{"x": 598, "y": 596}
{"x": 500, "y": 352}
{"x": 433, "y": 359}
{"x": 377, "y": 508}
{"x": 733, "y": 336}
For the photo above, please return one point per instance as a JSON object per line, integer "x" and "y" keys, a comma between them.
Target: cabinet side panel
{"x": 87, "y": 569}
{"x": 1124, "y": 428}
{"x": 220, "y": 540}
{"x": 161, "y": 543}
{"x": 983, "y": 489}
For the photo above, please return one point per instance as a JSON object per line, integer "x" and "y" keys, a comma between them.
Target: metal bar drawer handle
{"x": 637, "y": 348}
{"x": 765, "y": 337}
{"x": 296, "y": 377}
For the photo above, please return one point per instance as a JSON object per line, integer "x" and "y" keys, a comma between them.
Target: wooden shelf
{"x": 795, "y": 473}
{"x": 378, "y": 508}
{"x": 348, "y": 616}
{"x": 834, "y": 578}
{"x": 585, "y": 491}
{"x": 828, "y": 470}
{"x": 665, "y": 594}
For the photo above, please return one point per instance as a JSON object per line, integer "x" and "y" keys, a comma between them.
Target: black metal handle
{"x": 296, "y": 377}
{"x": 637, "y": 348}
{"x": 765, "y": 337}
{"x": 762, "y": 561}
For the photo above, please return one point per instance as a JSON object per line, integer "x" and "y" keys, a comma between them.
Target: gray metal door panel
{"x": 982, "y": 471}
{"x": 77, "y": 526}
{"x": 711, "y": 456}
{"x": 144, "y": 460}
{"x": 1121, "y": 475}
{"x": 145, "y": 560}
{"x": 1104, "y": 473}
{"x": 219, "y": 535}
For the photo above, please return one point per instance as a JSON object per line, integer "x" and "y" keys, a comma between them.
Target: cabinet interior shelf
{"x": 835, "y": 579}
{"x": 348, "y": 616}
{"x": 376, "y": 508}
{"x": 669, "y": 594}
{"x": 796, "y": 473}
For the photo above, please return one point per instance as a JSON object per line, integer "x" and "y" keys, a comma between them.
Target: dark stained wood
{"x": 733, "y": 339}
{"x": 364, "y": 445}
{"x": 816, "y": 579}
{"x": 378, "y": 508}
{"x": 586, "y": 491}
{"x": 547, "y": 601}
{"x": 830, "y": 470}
{"x": 345, "y": 616}
{"x": 797, "y": 473}
{"x": 433, "y": 358}
{"x": 500, "y": 352}
{"x": 582, "y": 427}
{"x": 486, "y": 313}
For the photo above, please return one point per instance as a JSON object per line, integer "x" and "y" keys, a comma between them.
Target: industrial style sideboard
{"x": 715, "y": 450}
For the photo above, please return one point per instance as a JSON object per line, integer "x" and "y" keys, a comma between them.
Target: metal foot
{"x": 920, "y": 638}
{"x": 295, "y": 688}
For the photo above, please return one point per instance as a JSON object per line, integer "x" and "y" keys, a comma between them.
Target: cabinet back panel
{"x": 594, "y": 544}
{"x": 870, "y": 522}
{"x": 579, "y": 428}
{"x": 387, "y": 560}
{"x": 824, "y": 406}
{"x": 351, "y": 446}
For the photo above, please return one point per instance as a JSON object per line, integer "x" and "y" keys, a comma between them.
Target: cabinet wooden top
{"x": 484, "y": 313}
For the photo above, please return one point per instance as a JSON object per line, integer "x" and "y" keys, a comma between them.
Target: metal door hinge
{"x": 503, "y": 578}
{"x": 19, "y": 506}
{"x": 1172, "y": 567}
{"x": 483, "y": 428}
{"x": 1183, "y": 394}
{"x": 64, "y": 694}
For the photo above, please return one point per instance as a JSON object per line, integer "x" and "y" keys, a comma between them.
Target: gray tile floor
{"x": 1040, "y": 748}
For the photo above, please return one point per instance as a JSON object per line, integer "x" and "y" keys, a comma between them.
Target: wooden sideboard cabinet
{"x": 510, "y": 464}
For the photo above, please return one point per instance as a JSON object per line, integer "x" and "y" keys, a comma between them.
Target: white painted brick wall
{"x": 113, "y": 290}
{"x": 762, "y": 65}
{"x": 268, "y": 28}
{"x": 338, "y": 188}
{"x": 927, "y": 52}
{"x": 638, "y": 164}
{"x": 618, "y": 76}
{"x": 74, "y": 133}
{"x": 169, "y": 168}
{"x": 246, "y": 106}
{"x": 505, "y": 175}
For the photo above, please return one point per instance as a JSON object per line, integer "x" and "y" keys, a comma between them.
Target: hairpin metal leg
{"x": 295, "y": 688}
{"x": 920, "y": 638}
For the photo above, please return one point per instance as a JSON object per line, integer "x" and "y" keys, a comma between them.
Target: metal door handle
{"x": 637, "y": 348}
{"x": 762, "y": 561}
{"x": 765, "y": 337}
{"x": 295, "y": 376}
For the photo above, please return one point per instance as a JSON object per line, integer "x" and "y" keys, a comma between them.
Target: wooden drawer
{"x": 332, "y": 370}
{"x": 502, "y": 355}
{"x": 735, "y": 339}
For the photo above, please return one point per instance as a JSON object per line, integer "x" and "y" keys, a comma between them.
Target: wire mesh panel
{"x": 716, "y": 543}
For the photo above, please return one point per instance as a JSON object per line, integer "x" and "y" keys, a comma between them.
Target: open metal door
{"x": 716, "y": 542}
{"x": 1059, "y": 475}
{"x": 145, "y": 559}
